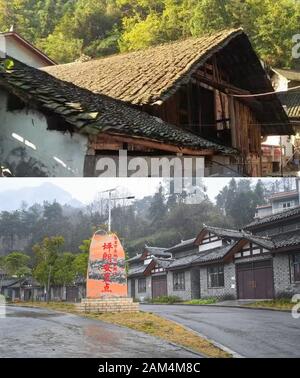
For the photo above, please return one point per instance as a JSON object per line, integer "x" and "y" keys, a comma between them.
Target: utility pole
{"x": 110, "y": 199}
{"x": 48, "y": 284}
{"x": 109, "y": 211}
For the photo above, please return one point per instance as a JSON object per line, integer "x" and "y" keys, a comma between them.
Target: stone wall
{"x": 108, "y": 305}
{"x": 284, "y": 276}
{"x": 182, "y": 294}
{"x": 226, "y": 292}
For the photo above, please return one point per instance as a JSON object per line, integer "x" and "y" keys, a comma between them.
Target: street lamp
{"x": 110, "y": 199}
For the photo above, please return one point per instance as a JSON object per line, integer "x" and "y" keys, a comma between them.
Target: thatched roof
{"x": 151, "y": 76}
{"x": 145, "y": 76}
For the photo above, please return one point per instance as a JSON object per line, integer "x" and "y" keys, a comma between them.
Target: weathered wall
{"x": 182, "y": 294}
{"x": 29, "y": 149}
{"x": 229, "y": 289}
{"x": 284, "y": 276}
{"x": 137, "y": 295}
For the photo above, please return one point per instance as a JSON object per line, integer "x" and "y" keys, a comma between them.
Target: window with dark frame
{"x": 142, "y": 285}
{"x": 178, "y": 281}
{"x": 296, "y": 263}
{"x": 215, "y": 276}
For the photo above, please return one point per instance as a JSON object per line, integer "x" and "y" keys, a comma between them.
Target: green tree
{"x": 80, "y": 265}
{"x": 17, "y": 264}
{"x": 63, "y": 272}
{"x": 239, "y": 200}
{"x": 46, "y": 253}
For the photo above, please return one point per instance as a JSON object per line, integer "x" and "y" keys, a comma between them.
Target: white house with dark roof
{"x": 281, "y": 201}
{"x": 260, "y": 262}
{"x": 14, "y": 46}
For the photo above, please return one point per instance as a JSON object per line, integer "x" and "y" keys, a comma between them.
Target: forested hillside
{"x": 67, "y": 29}
{"x": 160, "y": 220}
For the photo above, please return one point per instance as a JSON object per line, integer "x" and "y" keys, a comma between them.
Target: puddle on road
{"x": 31, "y": 314}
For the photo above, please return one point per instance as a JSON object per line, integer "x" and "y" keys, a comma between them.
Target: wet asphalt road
{"x": 250, "y": 333}
{"x": 28, "y": 332}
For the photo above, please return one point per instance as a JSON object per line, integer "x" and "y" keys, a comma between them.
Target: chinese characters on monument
{"x": 106, "y": 272}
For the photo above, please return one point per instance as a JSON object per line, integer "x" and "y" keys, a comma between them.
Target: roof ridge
{"x": 272, "y": 215}
{"x": 230, "y": 31}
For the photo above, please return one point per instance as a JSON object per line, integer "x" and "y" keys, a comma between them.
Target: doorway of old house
{"x": 255, "y": 280}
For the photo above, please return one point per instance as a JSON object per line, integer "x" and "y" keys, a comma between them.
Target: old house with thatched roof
{"x": 201, "y": 85}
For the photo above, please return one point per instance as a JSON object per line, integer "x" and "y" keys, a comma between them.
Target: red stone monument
{"x": 106, "y": 278}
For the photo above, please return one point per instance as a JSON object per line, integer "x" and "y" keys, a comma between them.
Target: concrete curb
{"x": 215, "y": 343}
{"x": 216, "y": 305}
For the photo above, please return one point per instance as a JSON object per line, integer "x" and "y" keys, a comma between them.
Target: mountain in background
{"x": 13, "y": 199}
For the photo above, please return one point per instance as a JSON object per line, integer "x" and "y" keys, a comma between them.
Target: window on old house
{"x": 216, "y": 276}
{"x": 142, "y": 285}
{"x": 178, "y": 281}
{"x": 296, "y": 263}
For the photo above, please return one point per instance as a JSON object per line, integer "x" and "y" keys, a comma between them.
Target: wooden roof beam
{"x": 152, "y": 144}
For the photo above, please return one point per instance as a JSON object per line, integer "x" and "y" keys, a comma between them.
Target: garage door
{"x": 255, "y": 280}
{"x": 159, "y": 286}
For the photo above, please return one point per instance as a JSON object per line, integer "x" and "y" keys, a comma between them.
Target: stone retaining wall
{"x": 108, "y": 305}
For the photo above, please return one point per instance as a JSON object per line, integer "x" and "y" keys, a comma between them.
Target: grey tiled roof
{"x": 241, "y": 234}
{"x": 134, "y": 258}
{"x": 274, "y": 217}
{"x": 291, "y": 100}
{"x": 90, "y": 113}
{"x": 287, "y": 239}
{"x": 9, "y": 282}
{"x": 157, "y": 251}
{"x": 214, "y": 254}
{"x": 224, "y": 232}
{"x": 183, "y": 261}
{"x": 137, "y": 270}
{"x": 183, "y": 244}
{"x": 17, "y": 282}
{"x": 211, "y": 255}
{"x": 164, "y": 263}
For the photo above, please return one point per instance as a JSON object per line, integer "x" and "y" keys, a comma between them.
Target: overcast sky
{"x": 85, "y": 189}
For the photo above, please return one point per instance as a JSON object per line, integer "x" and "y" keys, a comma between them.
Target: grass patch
{"x": 146, "y": 322}
{"x": 206, "y": 301}
{"x": 166, "y": 300}
{"x": 55, "y": 306}
{"x": 276, "y": 304}
{"x": 165, "y": 329}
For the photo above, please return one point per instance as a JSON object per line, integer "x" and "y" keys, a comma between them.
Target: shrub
{"x": 166, "y": 299}
{"x": 227, "y": 297}
{"x": 204, "y": 301}
{"x": 284, "y": 296}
